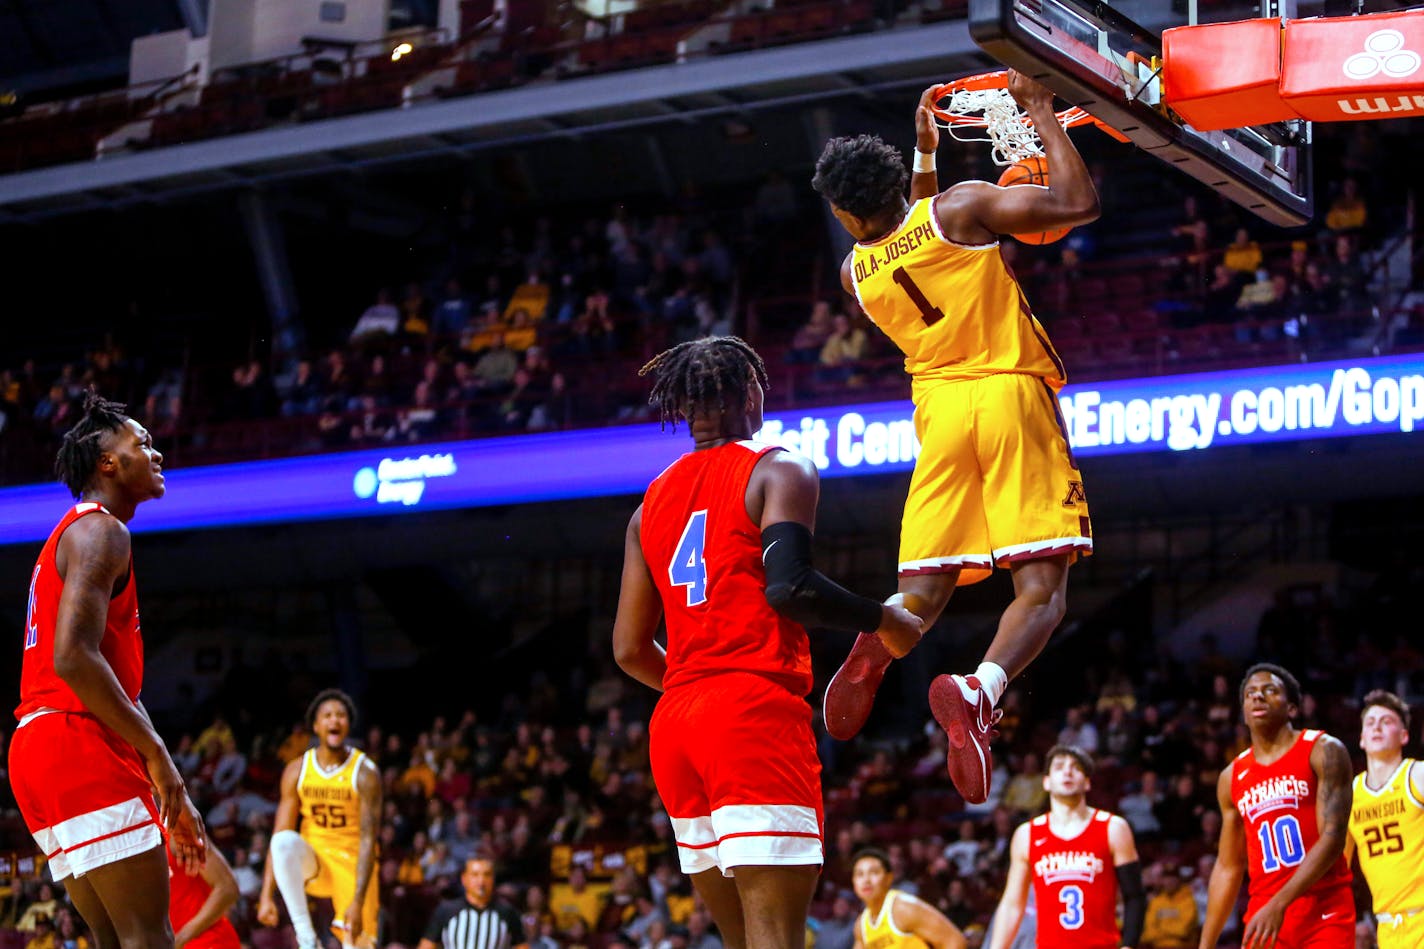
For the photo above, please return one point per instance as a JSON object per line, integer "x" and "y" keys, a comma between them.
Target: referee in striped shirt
{"x": 479, "y": 921}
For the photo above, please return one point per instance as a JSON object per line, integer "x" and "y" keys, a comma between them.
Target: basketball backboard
{"x": 1095, "y": 57}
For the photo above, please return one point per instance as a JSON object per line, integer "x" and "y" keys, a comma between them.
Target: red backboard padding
{"x": 1337, "y": 69}
{"x": 1225, "y": 75}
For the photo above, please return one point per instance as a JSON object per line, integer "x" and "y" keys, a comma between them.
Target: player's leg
{"x": 775, "y": 902}
{"x": 293, "y": 864}
{"x": 1040, "y": 599}
{"x": 340, "y": 873}
{"x": 1038, "y": 521}
{"x": 944, "y": 541}
{"x": 763, "y": 780}
{"x": 134, "y": 895}
{"x": 91, "y": 908}
{"x": 720, "y": 895}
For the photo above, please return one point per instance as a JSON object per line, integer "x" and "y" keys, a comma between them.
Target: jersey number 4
{"x": 688, "y": 567}
{"x": 1281, "y": 843}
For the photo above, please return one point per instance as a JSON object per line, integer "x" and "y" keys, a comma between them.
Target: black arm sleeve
{"x": 1134, "y": 902}
{"x": 801, "y": 593}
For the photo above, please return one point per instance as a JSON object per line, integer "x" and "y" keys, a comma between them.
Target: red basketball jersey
{"x": 1074, "y": 885}
{"x": 704, "y": 553}
{"x": 1277, "y": 806}
{"x": 122, "y": 645}
{"x": 186, "y": 895}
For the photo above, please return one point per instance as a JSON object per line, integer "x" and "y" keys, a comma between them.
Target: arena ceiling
{"x": 59, "y": 45}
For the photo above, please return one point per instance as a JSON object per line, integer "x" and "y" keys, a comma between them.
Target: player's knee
{"x": 286, "y": 844}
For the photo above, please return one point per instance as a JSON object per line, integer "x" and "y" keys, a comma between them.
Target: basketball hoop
{"x": 980, "y": 109}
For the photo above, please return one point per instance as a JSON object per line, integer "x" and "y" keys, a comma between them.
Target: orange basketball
{"x": 1032, "y": 171}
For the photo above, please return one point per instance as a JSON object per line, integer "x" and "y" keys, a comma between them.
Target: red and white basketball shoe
{"x": 967, "y": 717}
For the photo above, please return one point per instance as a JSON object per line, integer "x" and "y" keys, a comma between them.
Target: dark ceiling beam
{"x": 43, "y": 51}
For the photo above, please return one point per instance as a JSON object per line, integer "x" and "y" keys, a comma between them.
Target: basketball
{"x": 1031, "y": 171}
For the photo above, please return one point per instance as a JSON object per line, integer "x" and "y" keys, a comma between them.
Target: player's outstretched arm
{"x": 368, "y": 789}
{"x": 1331, "y": 764}
{"x": 288, "y": 807}
{"x": 221, "y": 898}
{"x": 639, "y": 611}
{"x": 1011, "y": 905}
{"x": 915, "y": 916}
{"x": 925, "y": 184}
{"x": 1129, "y": 880}
{"x": 974, "y": 212}
{"x": 783, "y": 494}
{"x": 1230, "y": 865}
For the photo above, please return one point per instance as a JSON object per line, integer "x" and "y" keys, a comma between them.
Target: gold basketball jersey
{"x": 954, "y": 310}
{"x": 331, "y": 806}
{"x": 1388, "y": 828}
{"x": 882, "y": 933}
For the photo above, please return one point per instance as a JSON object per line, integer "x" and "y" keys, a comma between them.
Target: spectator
{"x": 842, "y": 350}
{"x": 1243, "y": 255}
{"x": 494, "y": 370}
{"x": 1079, "y": 731}
{"x": 454, "y": 311}
{"x": 45, "y": 906}
{"x": 838, "y": 930}
{"x": 69, "y": 934}
{"x": 812, "y": 335}
{"x": 478, "y": 920}
{"x": 963, "y": 853}
{"x": 1348, "y": 212}
{"x": 415, "y": 312}
{"x": 1347, "y": 278}
{"x": 301, "y": 393}
{"x": 576, "y": 901}
{"x": 380, "y": 320}
{"x": 1025, "y": 793}
{"x": 232, "y": 765}
{"x": 1138, "y": 807}
{"x": 521, "y": 334}
{"x": 1172, "y": 921}
{"x": 43, "y": 932}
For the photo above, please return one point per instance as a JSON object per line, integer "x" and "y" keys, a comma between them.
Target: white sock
{"x": 993, "y": 680}
{"x": 293, "y": 863}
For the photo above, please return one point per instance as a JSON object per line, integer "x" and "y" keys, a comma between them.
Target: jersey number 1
{"x": 930, "y": 313}
{"x": 688, "y": 568}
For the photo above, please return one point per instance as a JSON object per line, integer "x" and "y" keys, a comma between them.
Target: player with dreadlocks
{"x": 85, "y": 762}
{"x": 995, "y": 483}
{"x": 721, "y": 546}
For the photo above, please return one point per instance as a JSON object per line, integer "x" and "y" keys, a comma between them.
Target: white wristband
{"x": 924, "y": 161}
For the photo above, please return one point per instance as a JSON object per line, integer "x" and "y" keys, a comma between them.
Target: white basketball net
{"x": 1004, "y": 125}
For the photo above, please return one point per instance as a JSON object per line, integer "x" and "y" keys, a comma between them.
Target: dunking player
{"x": 1387, "y": 822}
{"x": 995, "y": 483}
{"x": 722, "y": 547}
{"x": 1066, "y": 854}
{"x": 1285, "y": 804}
{"x": 892, "y": 919}
{"x": 336, "y": 790}
{"x": 199, "y": 901}
{"x": 85, "y": 761}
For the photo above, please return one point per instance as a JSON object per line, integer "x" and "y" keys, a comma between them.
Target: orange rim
{"x": 1068, "y": 118}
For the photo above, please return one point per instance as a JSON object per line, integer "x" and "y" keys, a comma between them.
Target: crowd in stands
{"x": 553, "y": 781}
{"x": 544, "y": 328}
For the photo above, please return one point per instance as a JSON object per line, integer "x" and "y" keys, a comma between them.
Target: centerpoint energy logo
{"x": 401, "y": 481}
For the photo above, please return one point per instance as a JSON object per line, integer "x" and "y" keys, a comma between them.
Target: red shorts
{"x": 83, "y": 791}
{"x": 1318, "y": 921}
{"x": 734, "y": 761}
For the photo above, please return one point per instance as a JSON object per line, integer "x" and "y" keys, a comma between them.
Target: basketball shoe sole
{"x": 851, "y": 693}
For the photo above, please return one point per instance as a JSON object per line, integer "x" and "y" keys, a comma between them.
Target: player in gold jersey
{"x": 892, "y": 919}
{"x": 1387, "y": 822}
{"x": 336, "y": 791}
{"x": 995, "y": 483}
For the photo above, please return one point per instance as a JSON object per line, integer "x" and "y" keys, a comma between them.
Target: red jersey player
{"x": 198, "y": 903}
{"x": 721, "y": 546}
{"x": 1285, "y": 807}
{"x": 1066, "y": 855}
{"x": 85, "y": 761}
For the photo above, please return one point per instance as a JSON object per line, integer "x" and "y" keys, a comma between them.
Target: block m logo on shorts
{"x": 1076, "y": 494}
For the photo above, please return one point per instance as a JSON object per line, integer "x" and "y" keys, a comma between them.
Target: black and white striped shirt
{"x": 459, "y": 924}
